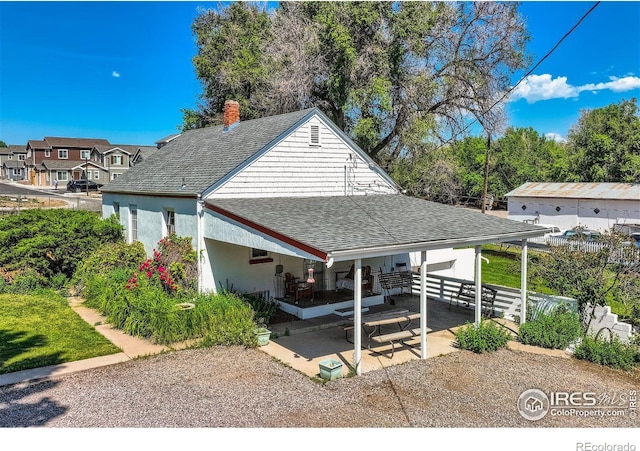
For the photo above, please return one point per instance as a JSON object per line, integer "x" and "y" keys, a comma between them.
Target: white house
{"x": 596, "y": 206}
{"x": 282, "y": 194}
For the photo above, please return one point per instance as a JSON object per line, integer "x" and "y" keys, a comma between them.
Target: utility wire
{"x": 527, "y": 74}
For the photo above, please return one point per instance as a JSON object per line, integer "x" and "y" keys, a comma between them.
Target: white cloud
{"x": 115, "y": 74}
{"x": 544, "y": 87}
{"x": 556, "y": 137}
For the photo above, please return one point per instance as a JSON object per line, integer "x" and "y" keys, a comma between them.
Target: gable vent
{"x": 314, "y": 136}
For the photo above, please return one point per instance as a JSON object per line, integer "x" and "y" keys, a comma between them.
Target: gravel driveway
{"x": 236, "y": 387}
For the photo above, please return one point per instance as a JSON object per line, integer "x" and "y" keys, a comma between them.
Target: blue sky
{"x": 122, "y": 71}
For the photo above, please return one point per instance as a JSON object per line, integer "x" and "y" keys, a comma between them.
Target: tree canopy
{"x": 604, "y": 146}
{"x": 393, "y": 75}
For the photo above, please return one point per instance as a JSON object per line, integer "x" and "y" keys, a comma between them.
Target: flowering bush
{"x": 173, "y": 266}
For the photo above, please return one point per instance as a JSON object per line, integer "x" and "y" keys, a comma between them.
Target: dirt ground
{"x": 30, "y": 202}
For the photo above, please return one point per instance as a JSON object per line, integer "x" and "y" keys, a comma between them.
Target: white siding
{"x": 575, "y": 212}
{"x": 296, "y": 168}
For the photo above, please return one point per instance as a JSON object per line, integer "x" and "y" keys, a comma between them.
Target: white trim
{"x": 66, "y": 157}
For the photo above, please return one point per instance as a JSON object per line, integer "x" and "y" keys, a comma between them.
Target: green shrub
{"x": 264, "y": 309}
{"x": 53, "y": 241}
{"x": 149, "y": 311}
{"x": 555, "y": 330}
{"x": 485, "y": 337}
{"x": 108, "y": 257}
{"x": 614, "y": 353}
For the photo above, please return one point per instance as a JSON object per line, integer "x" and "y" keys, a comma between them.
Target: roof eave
{"x": 152, "y": 194}
{"x": 381, "y": 251}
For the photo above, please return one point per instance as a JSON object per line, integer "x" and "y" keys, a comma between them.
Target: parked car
{"x": 635, "y": 240}
{"x": 80, "y": 186}
{"x": 581, "y": 234}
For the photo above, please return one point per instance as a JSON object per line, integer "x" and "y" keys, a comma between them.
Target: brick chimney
{"x": 231, "y": 114}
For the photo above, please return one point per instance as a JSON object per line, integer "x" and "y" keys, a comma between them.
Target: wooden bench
{"x": 396, "y": 279}
{"x": 396, "y": 336}
{"x": 466, "y": 295}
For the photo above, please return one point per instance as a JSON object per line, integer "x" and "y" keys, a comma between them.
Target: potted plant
{"x": 330, "y": 369}
{"x": 263, "y": 334}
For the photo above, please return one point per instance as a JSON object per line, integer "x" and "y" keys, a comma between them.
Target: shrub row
{"x": 486, "y": 337}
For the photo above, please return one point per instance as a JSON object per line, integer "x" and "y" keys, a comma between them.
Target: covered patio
{"x": 354, "y": 228}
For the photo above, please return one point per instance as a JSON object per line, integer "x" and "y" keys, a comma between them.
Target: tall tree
{"x": 391, "y": 74}
{"x": 605, "y": 144}
{"x": 231, "y": 62}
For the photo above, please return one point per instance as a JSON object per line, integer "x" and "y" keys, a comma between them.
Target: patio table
{"x": 371, "y": 323}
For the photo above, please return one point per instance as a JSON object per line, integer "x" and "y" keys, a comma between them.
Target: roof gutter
{"x": 155, "y": 194}
{"x": 381, "y": 251}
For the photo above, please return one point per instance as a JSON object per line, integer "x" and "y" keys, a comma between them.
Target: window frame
{"x": 169, "y": 221}
{"x": 85, "y": 152}
{"x": 47, "y": 153}
{"x": 61, "y": 152}
{"x": 65, "y": 177}
{"x": 117, "y": 158}
{"x": 133, "y": 223}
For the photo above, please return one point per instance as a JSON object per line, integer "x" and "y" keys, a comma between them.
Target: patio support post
{"x": 523, "y": 283}
{"x": 423, "y": 305}
{"x": 199, "y": 239}
{"x": 357, "y": 315}
{"x": 478, "y": 285}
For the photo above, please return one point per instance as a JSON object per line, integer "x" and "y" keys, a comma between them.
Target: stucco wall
{"x": 151, "y": 223}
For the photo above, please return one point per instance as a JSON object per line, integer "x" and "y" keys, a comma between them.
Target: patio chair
{"x": 294, "y": 287}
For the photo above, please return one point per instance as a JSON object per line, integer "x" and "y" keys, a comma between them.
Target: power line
{"x": 528, "y": 73}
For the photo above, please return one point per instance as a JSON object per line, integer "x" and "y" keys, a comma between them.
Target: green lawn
{"x": 504, "y": 268}
{"x": 41, "y": 330}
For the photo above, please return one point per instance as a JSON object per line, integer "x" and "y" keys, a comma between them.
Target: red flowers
{"x": 151, "y": 267}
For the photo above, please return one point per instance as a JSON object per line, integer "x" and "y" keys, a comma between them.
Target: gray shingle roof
{"x": 333, "y": 224}
{"x": 199, "y": 158}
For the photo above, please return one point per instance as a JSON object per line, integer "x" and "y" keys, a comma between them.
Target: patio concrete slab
{"x": 304, "y": 344}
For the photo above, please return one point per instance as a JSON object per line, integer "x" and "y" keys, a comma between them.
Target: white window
{"x": 84, "y": 154}
{"x": 89, "y": 175}
{"x": 96, "y": 175}
{"x": 115, "y": 176}
{"x": 62, "y": 176}
{"x": 63, "y": 154}
{"x": 314, "y": 135}
{"x": 22, "y": 157}
{"x": 133, "y": 214}
{"x": 17, "y": 171}
{"x": 47, "y": 152}
{"x": 170, "y": 222}
{"x": 116, "y": 160}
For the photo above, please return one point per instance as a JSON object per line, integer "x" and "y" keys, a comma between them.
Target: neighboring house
{"x": 12, "y": 162}
{"x": 62, "y": 159}
{"x": 166, "y": 140}
{"x": 114, "y": 159}
{"x": 596, "y": 206}
{"x": 142, "y": 153}
{"x": 283, "y": 194}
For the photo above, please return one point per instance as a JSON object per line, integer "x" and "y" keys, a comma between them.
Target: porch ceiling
{"x": 347, "y": 227}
